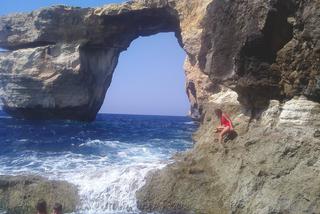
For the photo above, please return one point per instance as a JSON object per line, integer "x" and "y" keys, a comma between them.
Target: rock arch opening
{"x": 149, "y": 79}
{"x": 71, "y": 60}
{"x": 99, "y": 57}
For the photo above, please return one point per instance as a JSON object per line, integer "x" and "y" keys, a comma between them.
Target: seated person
{"x": 226, "y": 125}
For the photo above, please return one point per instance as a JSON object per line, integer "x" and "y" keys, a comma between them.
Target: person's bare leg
{"x": 223, "y": 132}
{"x": 219, "y": 128}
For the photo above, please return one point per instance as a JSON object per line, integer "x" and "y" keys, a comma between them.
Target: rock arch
{"x": 58, "y": 53}
{"x": 62, "y": 58}
{"x": 61, "y": 66}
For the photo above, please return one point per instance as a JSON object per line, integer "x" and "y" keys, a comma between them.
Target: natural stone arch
{"x": 221, "y": 39}
{"x": 48, "y": 74}
{"x": 71, "y": 67}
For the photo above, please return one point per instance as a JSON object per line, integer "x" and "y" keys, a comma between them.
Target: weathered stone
{"x": 300, "y": 55}
{"x": 250, "y": 58}
{"x": 270, "y": 117}
{"x": 19, "y": 194}
{"x": 300, "y": 112}
{"x": 263, "y": 171}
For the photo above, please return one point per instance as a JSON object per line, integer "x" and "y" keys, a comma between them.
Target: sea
{"x": 107, "y": 160}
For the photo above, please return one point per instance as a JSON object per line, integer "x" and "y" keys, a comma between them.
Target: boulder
{"x": 20, "y": 194}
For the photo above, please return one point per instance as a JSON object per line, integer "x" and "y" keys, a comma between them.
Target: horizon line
{"x": 132, "y": 114}
{"x": 138, "y": 114}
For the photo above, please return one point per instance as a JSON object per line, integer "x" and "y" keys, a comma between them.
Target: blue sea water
{"x": 107, "y": 159}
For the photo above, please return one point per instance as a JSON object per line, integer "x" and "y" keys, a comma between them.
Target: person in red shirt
{"x": 226, "y": 125}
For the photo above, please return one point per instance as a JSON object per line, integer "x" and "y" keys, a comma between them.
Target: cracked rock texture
{"x": 257, "y": 60}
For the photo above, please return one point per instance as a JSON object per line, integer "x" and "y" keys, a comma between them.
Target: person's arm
{"x": 219, "y": 127}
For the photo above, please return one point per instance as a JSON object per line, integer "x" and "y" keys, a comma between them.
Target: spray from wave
{"x": 107, "y": 160}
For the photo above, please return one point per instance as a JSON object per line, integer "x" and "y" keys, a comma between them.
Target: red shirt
{"x": 225, "y": 121}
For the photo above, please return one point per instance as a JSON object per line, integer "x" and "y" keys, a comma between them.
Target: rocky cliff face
{"x": 257, "y": 60}
{"x": 272, "y": 168}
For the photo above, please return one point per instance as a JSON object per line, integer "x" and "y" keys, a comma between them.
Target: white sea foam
{"x": 105, "y": 186}
{"x": 5, "y": 117}
{"x": 107, "y": 160}
{"x": 111, "y": 189}
{"x": 92, "y": 143}
{"x": 189, "y": 123}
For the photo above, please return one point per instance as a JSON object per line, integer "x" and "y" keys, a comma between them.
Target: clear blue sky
{"x": 149, "y": 78}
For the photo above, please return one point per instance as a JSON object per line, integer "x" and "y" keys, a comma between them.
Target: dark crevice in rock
{"x": 276, "y": 33}
{"x": 195, "y": 110}
{"x": 26, "y": 45}
{"x": 220, "y": 38}
{"x": 299, "y": 63}
{"x": 236, "y": 53}
{"x": 258, "y": 81}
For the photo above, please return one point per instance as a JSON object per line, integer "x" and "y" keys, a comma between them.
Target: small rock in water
{"x": 19, "y": 194}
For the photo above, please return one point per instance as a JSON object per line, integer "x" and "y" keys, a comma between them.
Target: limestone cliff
{"x": 257, "y": 60}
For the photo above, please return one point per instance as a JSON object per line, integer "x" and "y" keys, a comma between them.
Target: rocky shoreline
{"x": 269, "y": 169}
{"x": 258, "y": 61}
{"x": 20, "y": 194}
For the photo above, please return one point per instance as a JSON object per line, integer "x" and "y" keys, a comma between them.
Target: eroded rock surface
{"x": 257, "y": 60}
{"x": 270, "y": 168}
{"x": 20, "y": 194}
{"x": 263, "y": 171}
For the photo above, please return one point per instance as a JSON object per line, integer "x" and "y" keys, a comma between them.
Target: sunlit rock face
{"x": 257, "y": 60}
{"x": 227, "y": 43}
{"x": 262, "y": 50}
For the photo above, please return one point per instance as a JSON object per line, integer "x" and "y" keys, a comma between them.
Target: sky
{"x": 149, "y": 78}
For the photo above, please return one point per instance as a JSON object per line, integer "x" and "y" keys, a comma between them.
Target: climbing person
{"x": 41, "y": 207}
{"x": 226, "y": 125}
{"x": 57, "y": 208}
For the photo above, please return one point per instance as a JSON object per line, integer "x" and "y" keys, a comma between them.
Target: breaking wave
{"x": 107, "y": 160}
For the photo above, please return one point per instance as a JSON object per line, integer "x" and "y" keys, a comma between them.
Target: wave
{"x": 93, "y": 143}
{"x": 106, "y": 163}
{"x": 112, "y": 189}
{"x": 189, "y": 123}
{"x": 104, "y": 186}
